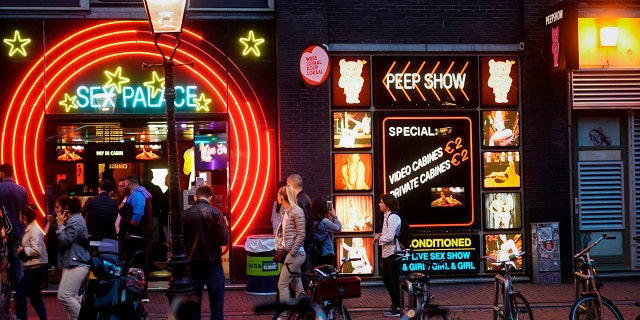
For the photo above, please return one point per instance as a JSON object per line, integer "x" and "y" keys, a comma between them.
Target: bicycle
{"x": 327, "y": 290}
{"x": 590, "y": 304}
{"x": 417, "y": 285}
{"x": 514, "y": 304}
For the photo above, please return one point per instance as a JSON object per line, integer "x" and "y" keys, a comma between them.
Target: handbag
{"x": 280, "y": 255}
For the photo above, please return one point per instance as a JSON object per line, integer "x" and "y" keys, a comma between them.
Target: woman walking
{"x": 290, "y": 237}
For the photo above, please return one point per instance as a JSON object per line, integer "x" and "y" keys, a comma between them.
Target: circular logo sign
{"x": 314, "y": 65}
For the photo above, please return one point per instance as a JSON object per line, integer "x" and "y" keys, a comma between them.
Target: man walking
{"x": 13, "y": 197}
{"x": 138, "y": 215}
{"x": 205, "y": 231}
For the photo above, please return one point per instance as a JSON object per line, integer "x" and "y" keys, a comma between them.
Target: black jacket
{"x": 100, "y": 214}
{"x": 205, "y": 231}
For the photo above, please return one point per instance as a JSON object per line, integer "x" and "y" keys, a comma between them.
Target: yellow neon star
{"x": 202, "y": 103}
{"x": 17, "y": 44}
{"x": 251, "y": 44}
{"x": 69, "y": 102}
{"x": 156, "y": 84}
{"x": 120, "y": 79}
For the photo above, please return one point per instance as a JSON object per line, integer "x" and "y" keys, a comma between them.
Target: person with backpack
{"x": 325, "y": 223}
{"x": 387, "y": 240}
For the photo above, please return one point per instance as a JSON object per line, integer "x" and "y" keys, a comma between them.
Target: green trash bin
{"x": 262, "y": 271}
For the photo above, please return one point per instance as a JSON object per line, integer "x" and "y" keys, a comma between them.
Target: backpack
{"x": 315, "y": 250}
{"x": 405, "y": 236}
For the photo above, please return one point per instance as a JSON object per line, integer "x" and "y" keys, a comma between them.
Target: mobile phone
{"x": 329, "y": 205}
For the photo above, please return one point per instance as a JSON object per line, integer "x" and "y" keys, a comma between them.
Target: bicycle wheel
{"x": 520, "y": 308}
{"x": 295, "y": 315}
{"x": 336, "y": 311}
{"x": 586, "y": 308}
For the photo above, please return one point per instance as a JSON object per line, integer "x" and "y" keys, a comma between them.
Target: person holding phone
{"x": 73, "y": 252}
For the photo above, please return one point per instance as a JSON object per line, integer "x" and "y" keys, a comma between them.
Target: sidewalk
{"x": 471, "y": 300}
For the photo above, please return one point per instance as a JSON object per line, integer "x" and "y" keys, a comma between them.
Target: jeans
{"x": 285, "y": 277}
{"x": 203, "y": 272}
{"x": 391, "y": 278}
{"x": 30, "y": 287}
{"x": 15, "y": 264}
{"x": 70, "y": 282}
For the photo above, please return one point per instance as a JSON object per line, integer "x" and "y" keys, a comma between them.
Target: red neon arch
{"x": 251, "y": 146}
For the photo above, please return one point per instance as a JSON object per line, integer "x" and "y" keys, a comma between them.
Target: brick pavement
{"x": 466, "y": 300}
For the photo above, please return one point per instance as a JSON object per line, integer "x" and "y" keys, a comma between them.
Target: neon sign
{"x": 17, "y": 44}
{"x": 430, "y": 81}
{"x": 251, "y": 44}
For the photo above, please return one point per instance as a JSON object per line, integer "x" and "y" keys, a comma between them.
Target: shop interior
{"x": 80, "y": 155}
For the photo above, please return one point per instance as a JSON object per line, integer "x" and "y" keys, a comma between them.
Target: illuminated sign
{"x": 449, "y": 254}
{"x": 351, "y": 81}
{"x": 500, "y": 247}
{"x": 425, "y": 81}
{"x": 352, "y": 129}
{"x": 561, "y": 52}
{"x": 210, "y": 152}
{"x": 251, "y": 44}
{"x": 422, "y": 156}
{"x": 314, "y": 65}
{"x": 501, "y": 169}
{"x": 499, "y": 81}
{"x": 17, "y": 44}
{"x": 500, "y": 128}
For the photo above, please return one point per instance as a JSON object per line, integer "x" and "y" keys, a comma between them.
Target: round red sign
{"x": 314, "y": 65}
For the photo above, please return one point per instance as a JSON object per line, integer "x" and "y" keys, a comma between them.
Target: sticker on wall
{"x": 314, "y": 65}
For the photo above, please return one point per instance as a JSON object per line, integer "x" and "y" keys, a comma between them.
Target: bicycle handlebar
{"x": 595, "y": 243}
{"x": 512, "y": 257}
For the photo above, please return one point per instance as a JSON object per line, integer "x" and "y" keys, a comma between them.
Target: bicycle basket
{"x": 339, "y": 288}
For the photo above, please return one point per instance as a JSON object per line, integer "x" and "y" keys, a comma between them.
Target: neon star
{"x": 202, "y": 103}
{"x": 251, "y": 44}
{"x": 156, "y": 84}
{"x": 17, "y": 44}
{"x": 116, "y": 79}
{"x": 69, "y": 102}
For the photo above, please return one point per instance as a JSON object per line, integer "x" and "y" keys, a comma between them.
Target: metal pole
{"x": 179, "y": 284}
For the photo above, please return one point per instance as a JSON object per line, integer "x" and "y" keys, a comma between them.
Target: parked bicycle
{"x": 590, "y": 304}
{"x": 327, "y": 289}
{"x": 418, "y": 287}
{"x": 508, "y": 304}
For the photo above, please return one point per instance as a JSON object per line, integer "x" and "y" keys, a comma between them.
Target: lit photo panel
{"x": 355, "y": 213}
{"x": 356, "y": 248}
{"x": 351, "y": 129}
{"x": 500, "y": 247}
{"x": 447, "y": 197}
{"x": 500, "y": 128}
{"x": 352, "y": 171}
{"x": 502, "y": 210}
{"x": 501, "y": 169}
{"x": 70, "y": 153}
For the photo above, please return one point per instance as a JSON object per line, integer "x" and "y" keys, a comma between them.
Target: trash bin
{"x": 262, "y": 272}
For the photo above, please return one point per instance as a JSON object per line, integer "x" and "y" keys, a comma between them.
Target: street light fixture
{"x": 166, "y": 18}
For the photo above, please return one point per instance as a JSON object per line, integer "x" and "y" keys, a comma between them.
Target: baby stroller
{"x": 114, "y": 289}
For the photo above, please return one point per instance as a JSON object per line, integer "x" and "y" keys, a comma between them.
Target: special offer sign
{"x": 427, "y": 164}
{"x": 314, "y": 65}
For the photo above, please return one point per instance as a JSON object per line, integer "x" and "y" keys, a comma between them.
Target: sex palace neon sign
{"x": 81, "y": 69}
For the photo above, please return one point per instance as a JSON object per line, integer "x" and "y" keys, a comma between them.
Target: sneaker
{"x": 391, "y": 313}
{"x": 145, "y": 300}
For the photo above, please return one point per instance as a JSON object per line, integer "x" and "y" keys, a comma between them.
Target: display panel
{"x": 500, "y": 246}
{"x": 351, "y": 129}
{"x": 148, "y": 152}
{"x": 356, "y": 248}
{"x": 355, "y": 213}
{"x": 502, "y": 210}
{"x": 453, "y": 253}
{"x": 350, "y": 82}
{"x": 70, "y": 153}
{"x": 352, "y": 171}
{"x": 501, "y": 169}
{"x": 447, "y": 197}
{"x": 211, "y": 152}
{"x": 499, "y": 81}
{"x": 500, "y": 128}
{"x": 422, "y": 153}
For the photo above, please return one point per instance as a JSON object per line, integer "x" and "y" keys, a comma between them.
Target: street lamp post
{"x": 165, "y": 18}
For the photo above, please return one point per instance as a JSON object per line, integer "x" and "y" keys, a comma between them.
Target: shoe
{"x": 391, "y": 313}
{"x": 145, "y": 300}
